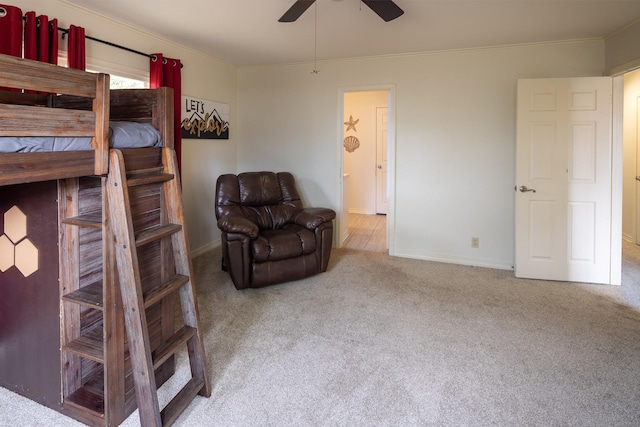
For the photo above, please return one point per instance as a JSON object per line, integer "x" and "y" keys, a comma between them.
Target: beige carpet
{"x": 382, "y": 341}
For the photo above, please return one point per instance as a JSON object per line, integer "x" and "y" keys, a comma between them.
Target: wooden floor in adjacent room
{"x": 367, "y": 232}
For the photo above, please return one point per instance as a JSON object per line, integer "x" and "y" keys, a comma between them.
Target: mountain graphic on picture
{"x": 209, "y": 126}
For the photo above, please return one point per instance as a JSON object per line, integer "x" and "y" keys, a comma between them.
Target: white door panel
{"x": 563, "y": 152}
{"x": 381, "y": 160}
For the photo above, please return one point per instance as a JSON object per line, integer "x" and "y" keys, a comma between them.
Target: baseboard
{"x": 474, "y": 262}
{"x": 206, "y": 248}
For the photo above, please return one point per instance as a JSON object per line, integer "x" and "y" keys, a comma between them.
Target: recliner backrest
{"x": 268, "y": 199}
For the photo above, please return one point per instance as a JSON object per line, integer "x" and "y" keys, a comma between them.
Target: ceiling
{"x": 247, "y": 32}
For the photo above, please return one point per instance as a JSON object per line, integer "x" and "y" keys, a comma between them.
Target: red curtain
{"x": 10, "y": 30}
{"x": 40, "y": 38}
{"x": 166, "y": 72}
{"x": 76, "y": 57}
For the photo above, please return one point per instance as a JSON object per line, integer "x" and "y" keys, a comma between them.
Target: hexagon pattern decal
{"x": 6, "y": 253}
{"x": 15, "y": 248}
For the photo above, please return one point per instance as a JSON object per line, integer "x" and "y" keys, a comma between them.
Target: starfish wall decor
{"x": 351, "y": 124}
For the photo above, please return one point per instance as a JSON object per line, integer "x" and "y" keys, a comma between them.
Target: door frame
{"x": 617, "y": 179}
{"x": 391, "y": 159}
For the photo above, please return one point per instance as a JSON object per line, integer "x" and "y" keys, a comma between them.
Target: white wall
{"x": 360, "y": 164}
{"x": 623, "y": 49}
{"x": 629, "y": 167}
{"x": 202, "y": 77}
{"x": 455, "y": 130}
{"x": 454, "y": 121}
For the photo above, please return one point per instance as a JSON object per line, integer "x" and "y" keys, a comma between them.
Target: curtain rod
{"x": 137, "y": 52}
{"x": 66, "y": 31}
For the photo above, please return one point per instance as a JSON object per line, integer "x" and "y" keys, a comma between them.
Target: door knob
{"x": 379, "y": 166}
{"x": 637, "y": 178}
{"x": 524, "y": 189}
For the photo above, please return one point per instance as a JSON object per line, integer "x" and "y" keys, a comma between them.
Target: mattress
{"x": 121, "y": 135}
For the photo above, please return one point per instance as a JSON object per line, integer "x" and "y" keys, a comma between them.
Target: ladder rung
{"x": 93, "y": 219}
{"x": 159, "y": 292}
{"x": 148, "y": 178}
{"x": 89, "y": 295}
{"x": 172, "y": 345}
{"x": 180, "y": 401}
{"x": 156, "y": 233}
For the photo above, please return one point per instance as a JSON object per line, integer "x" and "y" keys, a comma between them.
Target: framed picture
{"x": 202, "y": 119}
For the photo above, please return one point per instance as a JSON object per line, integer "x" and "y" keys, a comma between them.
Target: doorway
{"x": 631, "y": 158}
{"x": 630, "y": 282}
{"x": 366, "y": 123}
{"x": 367, "y": 232}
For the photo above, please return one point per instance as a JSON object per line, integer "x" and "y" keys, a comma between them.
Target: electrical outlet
{"x": 475, "y": 242}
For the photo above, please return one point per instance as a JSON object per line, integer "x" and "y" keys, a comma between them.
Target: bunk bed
{"x": 62, "y": 334}
{"x": 84, "y": 109}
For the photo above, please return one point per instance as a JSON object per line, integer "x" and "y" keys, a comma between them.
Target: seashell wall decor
{"x": 351, "y": 143}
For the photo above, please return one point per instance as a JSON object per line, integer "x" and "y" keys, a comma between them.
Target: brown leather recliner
{"x": 268, "y": 237}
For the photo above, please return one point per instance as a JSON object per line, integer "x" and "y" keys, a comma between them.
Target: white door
{"x": 563, "y": 179}
{"x": 381, "y": 160}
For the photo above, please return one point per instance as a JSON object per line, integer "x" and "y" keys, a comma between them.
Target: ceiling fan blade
{"x": 296, "y": 10}
{"x": 386, "y": 9}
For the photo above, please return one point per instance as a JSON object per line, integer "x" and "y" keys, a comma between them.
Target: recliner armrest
{"x": 311, "y": 218}
{"x": 239, "y": 225}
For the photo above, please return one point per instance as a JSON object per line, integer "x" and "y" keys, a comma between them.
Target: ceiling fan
{"x": 386, "y": 9}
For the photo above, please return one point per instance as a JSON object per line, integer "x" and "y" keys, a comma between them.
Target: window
{"x": 129, "y": 75}
{"x": 118, "y": 82}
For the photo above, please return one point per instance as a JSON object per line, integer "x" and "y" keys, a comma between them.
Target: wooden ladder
{"x": 137, "y": 296}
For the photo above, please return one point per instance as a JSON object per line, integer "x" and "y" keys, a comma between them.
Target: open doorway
{"x": 631, "y": 189}
{"x": 631, "y": 158}
{"x": 365, "y": 164}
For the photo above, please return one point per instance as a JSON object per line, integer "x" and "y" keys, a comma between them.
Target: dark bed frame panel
{"x": 30, "y": 306}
